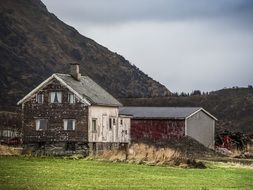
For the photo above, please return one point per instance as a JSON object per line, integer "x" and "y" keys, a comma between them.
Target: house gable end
{"x": 203, "y": 110}
{"x": 46, "y": 83}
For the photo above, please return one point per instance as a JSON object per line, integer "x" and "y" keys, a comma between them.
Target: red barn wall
{"x": 156, "y": 130}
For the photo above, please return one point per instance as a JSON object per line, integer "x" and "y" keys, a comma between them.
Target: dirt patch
{"x": 9, "y": 151}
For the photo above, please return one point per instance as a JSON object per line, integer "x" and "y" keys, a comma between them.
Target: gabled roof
{"x": 162, "y": 112}
{"x": 86, "y": 90}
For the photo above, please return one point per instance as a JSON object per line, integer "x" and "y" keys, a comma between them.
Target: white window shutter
{"x": 59, "y": 96}
{"x": 52, "y": 94}
{"x": 37, "y": 124}
{"x": 74, "y": 124}
{"x": 65, "y": 124}
{"x": 71, "y": 98}
{"x": 42, "y": 98}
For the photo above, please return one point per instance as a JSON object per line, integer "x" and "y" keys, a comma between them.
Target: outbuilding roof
{"x": 162, "y": 112}
{"x": 85, "y": 89}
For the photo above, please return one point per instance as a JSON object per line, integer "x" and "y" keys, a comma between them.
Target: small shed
{"x": 159, "y": 124}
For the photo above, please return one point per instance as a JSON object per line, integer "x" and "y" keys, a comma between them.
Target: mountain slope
{"x": 233, "y": 107}
{"x": 35, "y": 43}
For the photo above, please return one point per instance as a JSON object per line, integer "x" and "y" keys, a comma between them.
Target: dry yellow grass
{"x": 9, "y": 151}
{"x": 142, "y": 153}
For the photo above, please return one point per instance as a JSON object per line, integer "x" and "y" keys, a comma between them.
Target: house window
{"x": 69, "y": 124}
{"x": 71, "y": 98}
{"x": 121, "y": 122}
{"x": 94, "y": 125}
{"x": 40, "y": 98}
{"x": 55, "y": 97}
{"x": 114, "y": 121}
{"x": 41, "y": 124}
{"x": 110, "y": 123}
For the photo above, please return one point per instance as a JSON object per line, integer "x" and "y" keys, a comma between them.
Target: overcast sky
{"x": 184, "y": 44}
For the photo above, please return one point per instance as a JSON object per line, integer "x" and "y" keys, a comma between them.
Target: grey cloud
{"x": 184, "y": 44}
{"x": 118, "y": 11}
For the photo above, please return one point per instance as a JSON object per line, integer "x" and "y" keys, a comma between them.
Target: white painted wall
{"x": 201, "y": 127}
{"x": 103, "y": 133}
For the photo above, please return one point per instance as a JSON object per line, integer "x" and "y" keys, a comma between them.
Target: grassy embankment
{"x": 56, "y": 173}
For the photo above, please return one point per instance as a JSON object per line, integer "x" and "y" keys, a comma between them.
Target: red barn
{"x": 159, "y": 124}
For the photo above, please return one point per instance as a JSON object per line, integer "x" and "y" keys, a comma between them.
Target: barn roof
{"x": 162, "y": 112}
{"x": 86, "y": 90}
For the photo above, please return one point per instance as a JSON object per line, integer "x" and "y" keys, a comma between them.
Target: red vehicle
{"x": 12, "y": 141}
{"x": 226, "y": 141}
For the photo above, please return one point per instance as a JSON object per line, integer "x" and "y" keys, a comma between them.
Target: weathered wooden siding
{"x": 156, "y": 130}
{"x": 55, "y": 113}
{"x": 118, "y": 133}
{"x": 201, "y": 127}
{"x": 124, "y": 129}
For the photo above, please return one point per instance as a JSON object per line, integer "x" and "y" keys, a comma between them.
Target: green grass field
{"x": 56, "y": 173}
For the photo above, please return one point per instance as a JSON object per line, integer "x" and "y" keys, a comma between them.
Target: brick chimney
{"x": 74, "y": 71}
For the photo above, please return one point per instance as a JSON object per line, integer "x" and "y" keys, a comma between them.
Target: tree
{"x": 196, "y": 93}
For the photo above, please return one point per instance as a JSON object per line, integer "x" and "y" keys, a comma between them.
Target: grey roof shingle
{"x": 90, "y": 90}
{"x": 158, "y": 112}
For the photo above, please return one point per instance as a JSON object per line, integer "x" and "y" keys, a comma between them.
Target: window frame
{"x": 94, "y": 129}
{"x": 74, "y": 98}
{"x": 65, "y": 124}
{"x": 110, "y": 123}
{"x": 37, "y": 123}
{"x": 42, "y": 98}
{"x": 58, "y": 97}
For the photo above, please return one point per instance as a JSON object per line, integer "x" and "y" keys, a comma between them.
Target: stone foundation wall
{"x": 70, "y": 148}
{"x": 56, "y": 148}
{"x": 98, "y": 147}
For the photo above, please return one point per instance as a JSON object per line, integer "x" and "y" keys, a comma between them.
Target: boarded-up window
{"x": 94, "y": 125}
{"x": 69, "y": 124}
{"x": 41, "y": 124}
{"x": 40, "y": 98}
{"x": 55, "y": 97}
{"x": 71, "y": 98}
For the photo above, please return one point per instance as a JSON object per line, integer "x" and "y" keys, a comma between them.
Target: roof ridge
{"x": 178, "y": 107}
{"x": 70, "y": 75}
